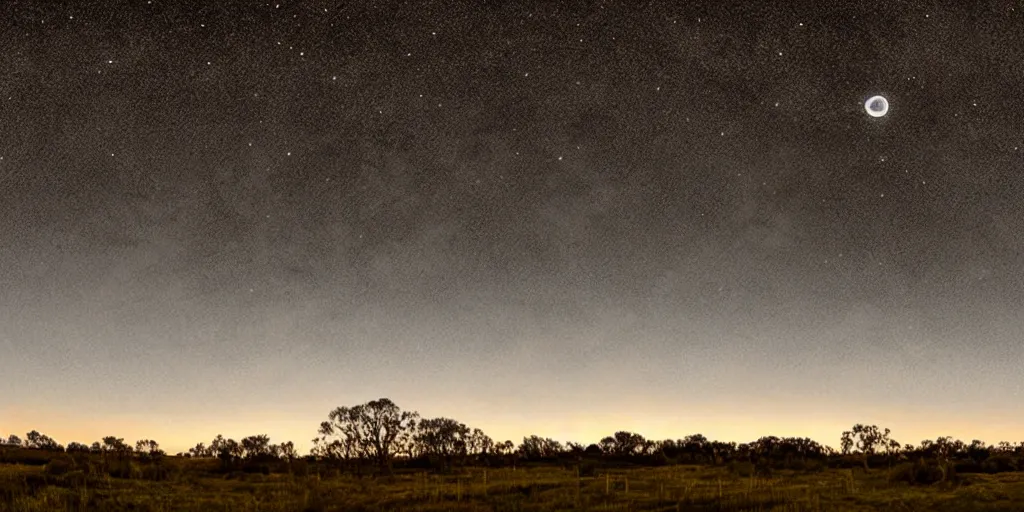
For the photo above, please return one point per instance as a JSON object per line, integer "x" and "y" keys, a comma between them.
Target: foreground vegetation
{"x": 84, "y": 483}
{"x": 377, "y": 457}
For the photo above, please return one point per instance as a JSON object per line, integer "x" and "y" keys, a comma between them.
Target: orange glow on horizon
{"x": 179, "y": 433}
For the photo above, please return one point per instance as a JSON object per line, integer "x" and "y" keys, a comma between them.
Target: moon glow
{"x": 877, "y": 106}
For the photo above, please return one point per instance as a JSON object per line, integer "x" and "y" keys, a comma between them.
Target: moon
{"x": 877, "y": 106}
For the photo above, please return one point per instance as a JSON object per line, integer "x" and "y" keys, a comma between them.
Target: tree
{"x": 536, "y": 447}
{"x": 867, "y": 438}
{"x": 695, "y": 447}
{"x": 199, "y": 450}
{"x": 287, "y": 451}
{"x": 720, "y": 450}
{"x": 76, "y": 447}
{"x": 148, "y": 448}
{"x": 625, "y": 444}
{"x": 255, "y": 446}
{"x": 442, "y": 438}
{"x": 480, "y": 444}
{"x": 374, "y": 429}
{"x": 217, "y": 446}
{"x": 14, "y": 440}
{"x": 228, "y": 451}
{"x": 766, "y": 447}
{"x": 39, "y": 441}
{"x": 978, "y": 451}
{"x": 504, "y": 448}
{"x": 116, "y": 446}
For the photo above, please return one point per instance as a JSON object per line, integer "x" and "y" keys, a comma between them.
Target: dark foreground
{"x": 195, "y": 485}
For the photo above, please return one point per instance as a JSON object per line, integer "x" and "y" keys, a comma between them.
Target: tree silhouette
{"x": 536, "y": 447}
{"x": 287, "y": 451}
{"x": 148, "y": 448}
{"x": 39, "y": 441}
{"x": 867, "y": 438}
{"x": 255, "y": 446}
{"x": 199, "y": 450}
{"x": 76, "y": 447}
{"x": 115, "y": 446}
{"x": 696, "y": 447}
{"x": 373, "y": 429}
{"x": 442, "y": 439}
{"x": 480, "y": 444}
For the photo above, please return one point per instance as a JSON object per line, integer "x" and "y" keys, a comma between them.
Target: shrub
{"x": 299, "y": 467}
{"x": 967, "y": 466}
{"x": 74, "y": 479}
{"x": 809, "y": 466}
{"x": 742, "y": 468}
{"x": 123, "y": 468}
{"x": 999, "y": 464}
{"x": 59, "y": 466}
{"x": 155, "y": 472}
{"x": 26, "y": 456}
{"x": 260, "y": 468}
{"x": 588, "y": 468}
{"x": 922, "y": 473}
{"x": 905, "y": 472}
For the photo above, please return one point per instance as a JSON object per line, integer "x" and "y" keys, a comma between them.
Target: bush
{"x": 588, "y": 468}
{"x": 123, "y": 468}
{"x": 26, "y": 456}
{"x": 74, "y": 479}
{"x": 905, "y": 472}
{"x": 155, "y": 472}
{"x": 742, "y": 468}
{"x": 967, "y": 466}
{"x": 999, "y": 464}
{"x": 299, "y": 467}
{"x": 59, "y": 466}
{"x": 809, "y": 465}
{"x": 260, "y": 468}
{"x": 922, "y": 473}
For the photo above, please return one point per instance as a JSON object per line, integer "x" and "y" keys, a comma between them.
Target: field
{"x": 195, "y": 485}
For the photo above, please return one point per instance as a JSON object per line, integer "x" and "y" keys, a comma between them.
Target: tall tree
{"x": 374, "y": 429}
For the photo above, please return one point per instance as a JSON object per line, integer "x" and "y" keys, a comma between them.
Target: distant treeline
{"x": 378, "y": 437}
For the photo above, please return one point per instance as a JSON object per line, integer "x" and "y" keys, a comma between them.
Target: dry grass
{"x": 188, "y": 486}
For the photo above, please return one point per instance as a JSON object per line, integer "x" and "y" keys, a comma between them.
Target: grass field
{"x": 185, "y": 485}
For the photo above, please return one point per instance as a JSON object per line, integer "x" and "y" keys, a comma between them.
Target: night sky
{"x": 553, "y": 218}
